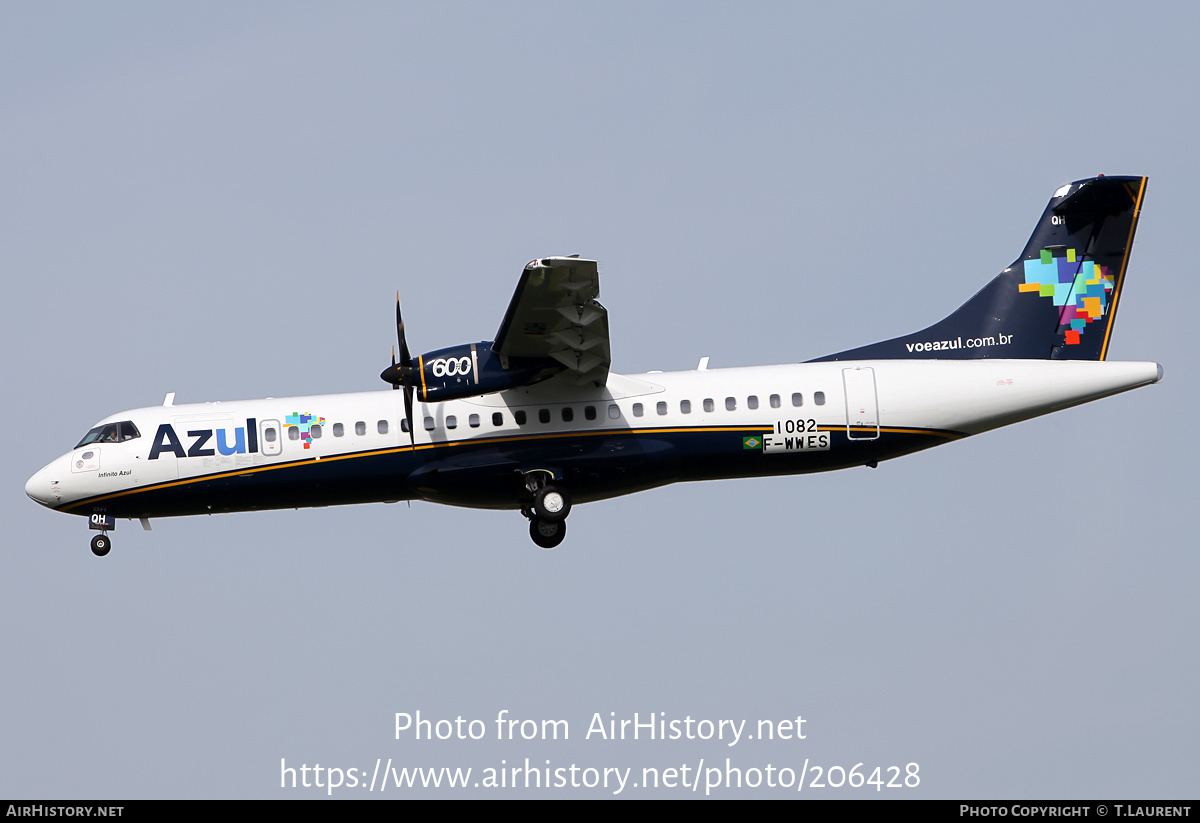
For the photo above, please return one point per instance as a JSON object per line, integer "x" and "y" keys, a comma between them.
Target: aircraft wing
{"x": 554, "y": 313}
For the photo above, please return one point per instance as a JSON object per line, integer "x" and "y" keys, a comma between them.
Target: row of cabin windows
{"x": 360, "y": 428}
{"x": 685, "y": 406}
{"x": 567, "y": 413}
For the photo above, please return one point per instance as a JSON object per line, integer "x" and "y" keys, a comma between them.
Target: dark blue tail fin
{"x": 1056, "y": 302}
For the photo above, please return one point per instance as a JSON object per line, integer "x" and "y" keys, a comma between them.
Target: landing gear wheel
{"x": 551, "y": 504}
{"x": 547, "y": 533}
{"x": 101, "y": 545}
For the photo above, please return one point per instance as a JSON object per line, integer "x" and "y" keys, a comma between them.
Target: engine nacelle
{"x": 473, "y": 369}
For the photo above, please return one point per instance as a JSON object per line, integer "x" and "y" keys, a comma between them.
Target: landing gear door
{"x": 862, "y": 406}
{"x": 270, "y": 437}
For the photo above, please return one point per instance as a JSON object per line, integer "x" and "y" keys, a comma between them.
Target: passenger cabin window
{"x": 404, "y": 425}
{"x": 543, "y": 415}
{"x": 589, "y": 412}
{"x": 819, "y": 398}
{"x": 293, "y": 432}
{"x": 752, "y": 402}
{"x": 730, "y": 404}
{"x": 662, "y": 407}
{"x": 637, "y": 409}
{"x": 360, "y": 428}
{"x": 797, "y": 399}
{"x": 775, "y": 401}
{"x": 451, "y": 421}
{"x": 382, "y": 427}
{"x": 338, "y": 430}
{"x": 429, "y": 425}
{"x": 685, "y": 406}
{"x": 519, "y": 416}
{"x": 473, "y": 421}
{"x": 708, "y": 404}
{"x": 614, "y": 411}
{"x": 269, "y": 434}
{"x": 497, "y": 419}
{"x": 568, "y": 414}
{"x": 315, "y": 431}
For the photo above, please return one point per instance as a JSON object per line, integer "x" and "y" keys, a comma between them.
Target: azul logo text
{"x": 244, "y": 441}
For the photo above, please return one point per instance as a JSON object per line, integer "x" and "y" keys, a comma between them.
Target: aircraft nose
{"x": 43, "y": 487}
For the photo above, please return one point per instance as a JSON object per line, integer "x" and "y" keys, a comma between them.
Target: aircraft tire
{"x": 547, "y": 533}
{"x": 101, "y": 545}
{"x": 551, "y": 503}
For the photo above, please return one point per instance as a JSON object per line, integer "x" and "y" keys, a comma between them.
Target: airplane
{"x": 534, "y": 421}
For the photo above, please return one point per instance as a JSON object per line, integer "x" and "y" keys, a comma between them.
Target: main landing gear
{"x": 548, "y": 512}
{"x": 547, "y": 533}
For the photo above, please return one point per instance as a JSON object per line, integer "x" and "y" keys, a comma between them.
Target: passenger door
{"x": 862, "y": 404}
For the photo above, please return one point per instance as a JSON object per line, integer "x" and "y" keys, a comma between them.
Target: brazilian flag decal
{"x": 751, "y": 442}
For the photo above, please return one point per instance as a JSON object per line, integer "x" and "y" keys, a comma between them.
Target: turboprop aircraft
{"x": 534, "y": 420}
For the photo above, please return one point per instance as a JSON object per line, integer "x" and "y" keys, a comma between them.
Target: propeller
{"x": 402, "y": 375}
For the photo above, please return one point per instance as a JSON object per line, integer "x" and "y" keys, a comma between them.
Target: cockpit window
{"x": 110, "y": 433}
{"x": 100, "y": 434}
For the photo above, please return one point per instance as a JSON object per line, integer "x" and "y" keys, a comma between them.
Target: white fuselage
{"x": 636, "y": 432}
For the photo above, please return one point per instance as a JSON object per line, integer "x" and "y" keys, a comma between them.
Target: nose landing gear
{"x": 101, "y": 545}
{"x": 103, "y": 523}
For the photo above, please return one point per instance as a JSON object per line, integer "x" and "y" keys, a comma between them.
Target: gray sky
{"x": 193, "y": 194}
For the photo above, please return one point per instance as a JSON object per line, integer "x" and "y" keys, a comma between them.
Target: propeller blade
{"x": 408, "y": 408}
{"x": 405, "y": 357}
{"x": 399, "y": 374}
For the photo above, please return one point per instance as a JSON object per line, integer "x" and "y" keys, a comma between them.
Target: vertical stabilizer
{"x": 1056, "y": 302}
